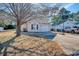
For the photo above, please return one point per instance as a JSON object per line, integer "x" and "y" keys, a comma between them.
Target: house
{"x": 1, "y": 29}
{"x": 37, "y": 24}
{"x": 68, "y": 23}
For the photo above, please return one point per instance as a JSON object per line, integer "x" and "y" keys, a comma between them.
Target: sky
{"x": 73, "y": 7}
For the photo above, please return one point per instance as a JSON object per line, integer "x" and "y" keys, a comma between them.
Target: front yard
{"x": 27, "y": 45}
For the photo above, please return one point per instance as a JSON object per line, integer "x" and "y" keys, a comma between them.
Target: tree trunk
{"x": 18, "y": 29}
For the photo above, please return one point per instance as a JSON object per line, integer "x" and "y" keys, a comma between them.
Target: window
{"x": 32, "y": 26}
{"x": 75, "y": 27}
{"x": 67, "y": 27}
{"x": 37, "y": 27}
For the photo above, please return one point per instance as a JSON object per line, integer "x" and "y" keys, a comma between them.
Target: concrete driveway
{"x": 46, "y": 35}
{"x": 69, "y": 42}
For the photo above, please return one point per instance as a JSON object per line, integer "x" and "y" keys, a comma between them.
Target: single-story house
{"x": 37, "y": 24}
{"x": 68, "y": 23}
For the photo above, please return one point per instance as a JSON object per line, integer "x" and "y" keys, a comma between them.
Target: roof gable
{"x": 40, "y": 19}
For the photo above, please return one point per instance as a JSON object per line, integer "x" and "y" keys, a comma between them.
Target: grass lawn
{"x": 28, "y": 45}
{"x": 6, "y": 35}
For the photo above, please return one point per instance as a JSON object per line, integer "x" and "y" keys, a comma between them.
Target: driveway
{"x": 69, "y": 42}
{"x": 47, "y": 35}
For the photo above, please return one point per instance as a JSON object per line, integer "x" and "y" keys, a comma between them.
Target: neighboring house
{"x": 1, "y": 29}
{"x": 37, "y": 24}
{"x": 68, "y": 23}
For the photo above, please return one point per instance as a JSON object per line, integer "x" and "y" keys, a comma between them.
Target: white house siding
{"x": 24, "y": 27}
{"x": 29, "y": 26}
{"x": 42, "y": 27}
{"x": 1, "y": 28}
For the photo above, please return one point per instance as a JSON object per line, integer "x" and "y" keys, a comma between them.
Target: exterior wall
{"x": 24, "y": 27}
{"x": 29, "y": 26}
{"x": 1, "y": 29}
{"x": 42, "y": 27}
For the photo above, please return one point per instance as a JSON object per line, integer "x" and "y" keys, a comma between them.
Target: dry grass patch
{"x": 6, "y": 35}
{"x": 31, "y": 46}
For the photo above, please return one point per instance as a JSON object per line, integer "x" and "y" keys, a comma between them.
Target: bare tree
{"x": 21, "y": 13}
{"x": 2, "y": 18}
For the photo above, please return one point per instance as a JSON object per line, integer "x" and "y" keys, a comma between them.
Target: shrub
{"x": 9, "y": 27}
{"x": 52, "y": 29}
{"x": 1, "y": 25}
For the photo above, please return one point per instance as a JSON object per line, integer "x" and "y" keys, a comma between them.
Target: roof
{"x": 40, "y": 19}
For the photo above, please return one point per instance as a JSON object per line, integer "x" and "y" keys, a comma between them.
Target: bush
{"x": 1, "y": 25}
{"x": 59, "y": 30}
{"x": 52, "y": 29}
{"x": 9, "y": 27}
